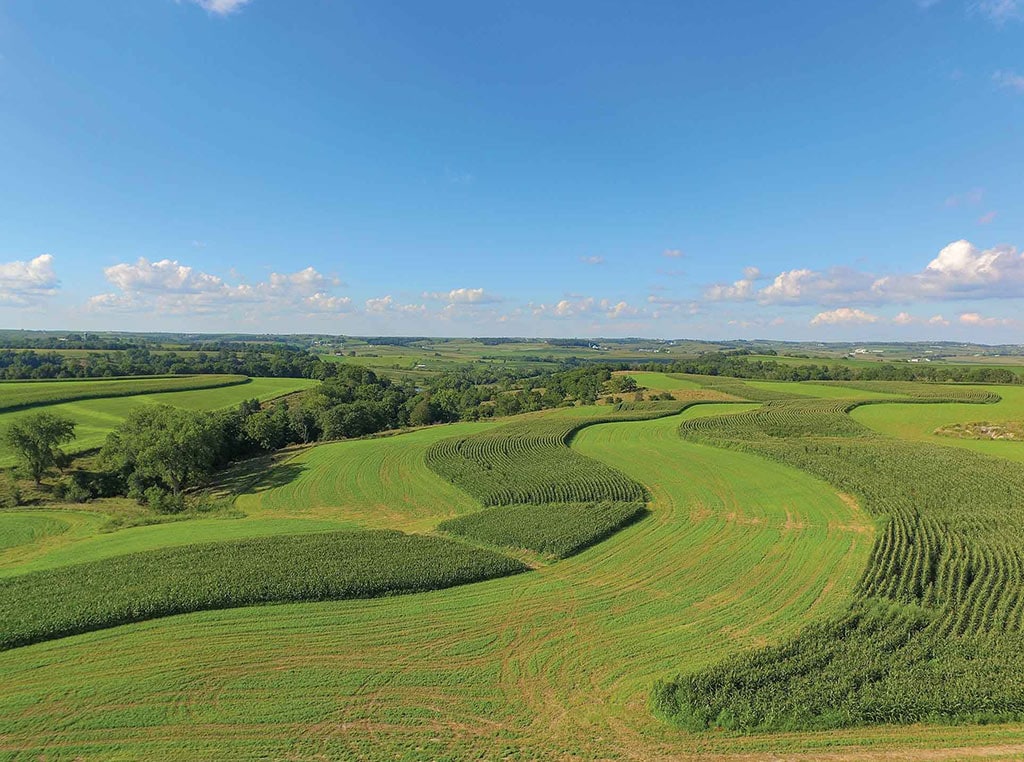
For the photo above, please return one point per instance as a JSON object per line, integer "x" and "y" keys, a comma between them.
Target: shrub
{"x": 162, "y": 501}
{"x": 71, "y": 489}
{"x": 10, "y": 493}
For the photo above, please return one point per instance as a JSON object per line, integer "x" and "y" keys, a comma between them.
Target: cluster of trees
{"x": 738, "y": 366}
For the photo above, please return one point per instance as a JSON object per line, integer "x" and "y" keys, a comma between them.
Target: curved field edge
{"x": 557, "y": 530}
{"x": 330, "y": 566}
{"x": 935, "y": 632}
{"x": 19, "y": 395}
{"x": 736, "y": 552}
{"x": 530, "y": 461}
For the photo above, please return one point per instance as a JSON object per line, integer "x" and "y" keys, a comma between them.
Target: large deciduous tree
{"x": 165, "y": 446}
{"x": 36, "y": 439}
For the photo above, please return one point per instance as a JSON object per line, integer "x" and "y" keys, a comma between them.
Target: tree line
{"x": 738, "y": 366}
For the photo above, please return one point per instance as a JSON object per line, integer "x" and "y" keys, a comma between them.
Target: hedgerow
{"x": 937, "y": 629}
{"x": 130, "y": 588}
{"x": 553, "y": 529}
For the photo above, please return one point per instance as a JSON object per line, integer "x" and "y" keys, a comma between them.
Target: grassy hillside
{"x": 374, "y": 483}
{"x": 98, "y": 417}
{"x": 735, "y": 553}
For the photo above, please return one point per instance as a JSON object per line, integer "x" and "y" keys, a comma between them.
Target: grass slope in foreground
{"x": 737, "y": 552}
{"x": 936, "y": 633}
{"x": 314, "y": 567}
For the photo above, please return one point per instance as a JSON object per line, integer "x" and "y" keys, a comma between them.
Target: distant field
{"x": 736, "y": 552}
{"x": 21, "y": 394}
{"x": 918, "y": 422}
{"x": 661, "y": 382}
{"x": 810, "y": 389}
{"x": 97, "y": 417}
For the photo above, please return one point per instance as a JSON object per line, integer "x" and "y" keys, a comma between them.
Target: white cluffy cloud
{"x": 961, "y": 270}
{"x": 23, "y": 283}
{"x": 586, "y": 306}
{"x": 843, "y": 316}
{"x": 171, "y": 287}
{"x": 221, "y": 7}
{"x": 593, "y": 260}
{"x": 462, "y": 296}
{"x": 974, "y": 319}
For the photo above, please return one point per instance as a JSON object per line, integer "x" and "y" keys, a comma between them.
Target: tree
{"x": 424, "y": 413}
{"x": 36, "y": 439}
{"x": 164, "y": 446}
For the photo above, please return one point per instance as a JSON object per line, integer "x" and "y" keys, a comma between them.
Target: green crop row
{"x": 941, "y": 602}
{"x": 530, "y": 462}
{"x": 15, "y": 395}
{"x": 553, "y": 529}
{"x": 130, "y": 588}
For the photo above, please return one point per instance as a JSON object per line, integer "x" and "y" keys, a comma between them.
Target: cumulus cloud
{"x": 221, "y": 7}
{"x": 960, "y": 270}
{"x": 586, "y": 306}
{"x": 673, "y": 253}
{"x": 462, "y": 296}
{"x": 168, "y": 286}
{"x": 23, "y": 283}
{"x": 974, "y": 319}
{"x": 988, "y": 218}
{"x": 594, "y": 260}
{"x": 843, "y": 316}
{"x": 380, "y": 303}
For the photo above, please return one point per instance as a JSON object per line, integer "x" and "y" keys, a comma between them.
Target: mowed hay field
{"x": 95, "y": 418}
{"x": 557, "y": 663}
{"x": 371, "y": 484}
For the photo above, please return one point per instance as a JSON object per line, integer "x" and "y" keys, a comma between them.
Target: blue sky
{"x": 798, "y": 170}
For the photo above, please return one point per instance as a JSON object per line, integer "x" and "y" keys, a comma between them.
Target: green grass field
{"x": 662, "y": 382}
{"x": 95, "y": 418}
{"x": 737, "y": 552}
